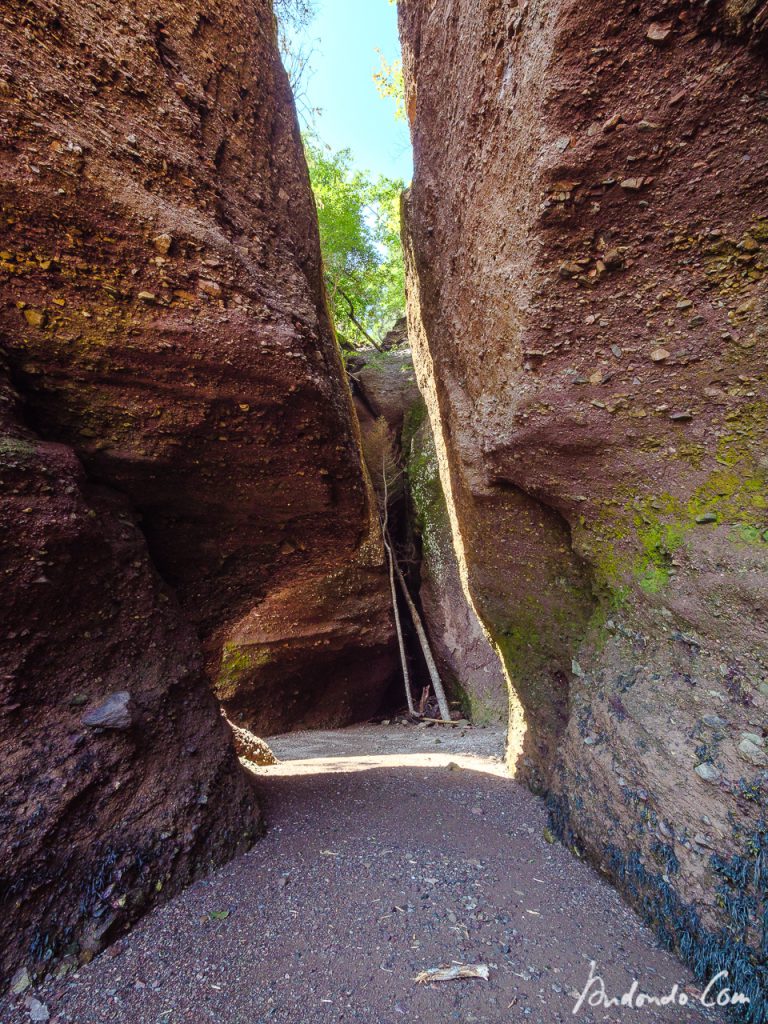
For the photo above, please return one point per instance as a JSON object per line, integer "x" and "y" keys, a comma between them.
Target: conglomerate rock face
{"x": 97, "y": 822}
{"x": 165, "y": 318}
{"x": 387, "y": 382}
{"x": 179, "y": 454}
{"x": 588, "y": 253}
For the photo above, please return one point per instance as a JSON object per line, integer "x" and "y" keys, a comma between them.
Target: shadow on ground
{"x": 371, "y": 871}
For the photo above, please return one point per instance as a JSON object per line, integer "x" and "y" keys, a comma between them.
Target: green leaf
{"x": 359, "y": 219}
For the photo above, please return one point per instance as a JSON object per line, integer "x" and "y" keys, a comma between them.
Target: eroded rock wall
{"x": 97, "y": 824}
{"x": 166, "y": 319}
{"x": 468, "y": 664}
{"x": 588, "y": 250}
{"x": 183, "y": 500}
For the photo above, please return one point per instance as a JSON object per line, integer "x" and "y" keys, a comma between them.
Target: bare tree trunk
{"x": 395, "y": 609}
{"x": 434, "y": 675}
{"x": 400, "y": 641}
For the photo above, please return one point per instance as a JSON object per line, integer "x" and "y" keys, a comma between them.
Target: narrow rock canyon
{"x": 191, "y": 547}
{"x": 385, "y": 391}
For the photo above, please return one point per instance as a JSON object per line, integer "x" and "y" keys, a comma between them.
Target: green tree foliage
{"x": 359, "y": 217}
{"x": 390, "y": 84}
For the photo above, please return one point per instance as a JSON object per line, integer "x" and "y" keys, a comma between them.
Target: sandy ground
{"x": 390, "y": 850}
{"x": 398, "y": 741}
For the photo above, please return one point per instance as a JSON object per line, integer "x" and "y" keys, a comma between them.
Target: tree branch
{"x": 421, "y": 633}
{"x": 354, "y": 319}
{"x": 393, "y": 589}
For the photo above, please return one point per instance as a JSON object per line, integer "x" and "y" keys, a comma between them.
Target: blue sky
{"x": 343, "y": 39}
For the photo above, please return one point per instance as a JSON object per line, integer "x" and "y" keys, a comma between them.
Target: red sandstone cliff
{"x": 588, "y": 240}
{"x": 183, "y": 450}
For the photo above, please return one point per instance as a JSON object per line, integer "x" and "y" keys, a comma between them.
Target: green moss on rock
{"x": 429, "y": 505}
{"x": 13, "y": 448}
{"x": 236, "y": 663}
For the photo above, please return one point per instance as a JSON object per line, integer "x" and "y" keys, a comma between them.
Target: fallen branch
{"x": 455, "y": 973}
{"x": 393, "y": 589}
{"x": 434, "y": 675}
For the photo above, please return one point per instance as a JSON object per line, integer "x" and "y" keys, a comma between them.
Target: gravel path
{"x": 387, "y": 853}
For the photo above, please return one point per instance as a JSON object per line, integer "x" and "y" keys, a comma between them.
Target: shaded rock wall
{"x": 179, "y": 454}
{"x": 385, "y": 386}
{"x": 386, "y": 381}
{"x": 96, "y": 824}
{"x": 468, "y": 664}
{"x": 588, "y": 250}
{"x": 166, "y": 320}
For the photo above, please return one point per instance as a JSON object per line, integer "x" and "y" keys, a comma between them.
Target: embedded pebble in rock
{"x": 113, "y": 713}
{"x": 754, "y": 738}
{"x": 706, "y": 517}
{"x": 632, "y": 184}
{"x": 753, "y": 753}
{"x": 708, "y": 772}
{"x": 162, "y": 244}
{"x": 37, "y": 1011}
{"x": 658, "y": 32}
{"x": 714, "y": 721}
{"x": 212, "y": 288}
{"x": 20, "y": 981}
